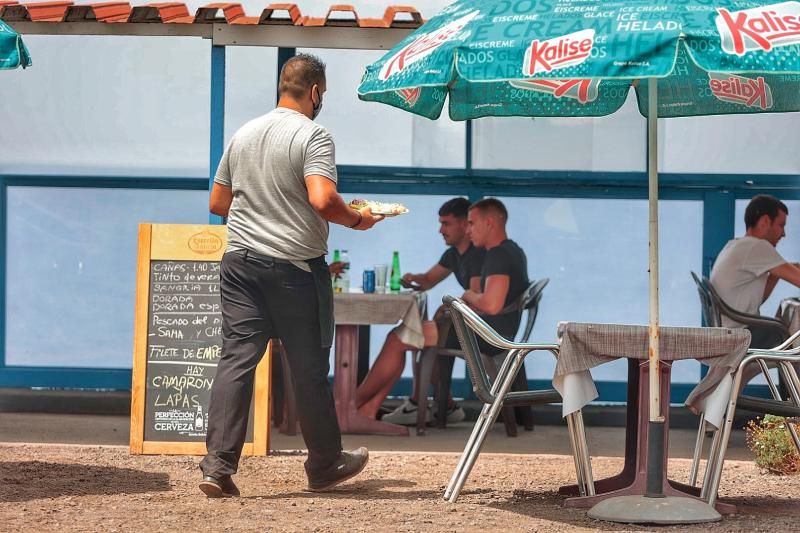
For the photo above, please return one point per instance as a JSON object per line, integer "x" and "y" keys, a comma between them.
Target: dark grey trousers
{"x": 264, "y": 299}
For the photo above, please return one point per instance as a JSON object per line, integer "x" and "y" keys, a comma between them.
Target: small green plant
{"x": 768, "y": 438}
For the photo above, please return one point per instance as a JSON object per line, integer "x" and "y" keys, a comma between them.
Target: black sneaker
{"x": 223, "y": 487}
{"x": 349, "y": 465}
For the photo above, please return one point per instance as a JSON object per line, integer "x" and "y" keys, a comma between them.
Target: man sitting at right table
{"x": 748, "y": 268}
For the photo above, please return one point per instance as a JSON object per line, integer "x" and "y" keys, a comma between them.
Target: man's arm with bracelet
{"x": 329, "y": 204}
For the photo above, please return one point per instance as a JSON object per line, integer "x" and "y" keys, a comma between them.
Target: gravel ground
{"x": 96, "y": 488}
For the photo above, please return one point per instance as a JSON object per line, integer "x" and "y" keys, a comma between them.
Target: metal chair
{"x": 784, "y": 359}
{"x": 498, "y": 394}
{"x": 777, "y": 406}
{"x": 527, "y": 303}
{"x": 711, "y": 317}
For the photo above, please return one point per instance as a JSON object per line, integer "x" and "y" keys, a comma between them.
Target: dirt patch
{"x": 86, "y": 488}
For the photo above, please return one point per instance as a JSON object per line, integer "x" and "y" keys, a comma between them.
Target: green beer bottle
{"x": 336, "y": 286}
{"x": 394, "y": 280}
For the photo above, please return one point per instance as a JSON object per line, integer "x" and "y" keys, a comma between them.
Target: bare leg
{"x": 386, "y": 370}
{"x": 371, "y": 406}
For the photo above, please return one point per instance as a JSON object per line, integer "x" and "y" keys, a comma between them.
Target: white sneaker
{"x": 405, "y": 414}
{"x": 455, "y": 414}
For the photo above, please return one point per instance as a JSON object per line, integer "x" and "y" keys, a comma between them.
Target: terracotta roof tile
{"x": 36, "y": 11}
{"x": 177, "y": 12}
{"x": 391, "y": 19}
{"x": 166, "y": 12}
{"x": 294, "y": 17}
{"x": 208, "y": 13}
{"x": 246, "y": 20}
{"x": 4, "y": 3}
{"x": 103, "y": 12}
{"x": 329, "y": 20}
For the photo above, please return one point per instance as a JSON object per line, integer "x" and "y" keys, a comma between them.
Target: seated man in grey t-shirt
{"x": 748, "y": 268}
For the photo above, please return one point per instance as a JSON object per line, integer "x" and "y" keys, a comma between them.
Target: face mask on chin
{"x": 316, "y": 108}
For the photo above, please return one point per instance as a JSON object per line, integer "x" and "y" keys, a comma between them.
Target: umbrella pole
{"x": 655, "y": 430}
{"x": 654, "y": 507}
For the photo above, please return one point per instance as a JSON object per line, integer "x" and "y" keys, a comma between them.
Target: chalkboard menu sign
{"x": 179, "y": 342}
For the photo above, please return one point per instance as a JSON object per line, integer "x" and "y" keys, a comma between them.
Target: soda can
{"x": 368, "y": 282}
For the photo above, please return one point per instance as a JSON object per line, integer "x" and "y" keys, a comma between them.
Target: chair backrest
{"x": 710, "y": 313}
{"x": 723, "y": 308}
{"x": 767, "y": 332}
{"x": 530, "y": 304}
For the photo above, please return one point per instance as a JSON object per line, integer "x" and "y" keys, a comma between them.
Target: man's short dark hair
{"x": 491, "y": 205}
{"x": 299, "y": 74}
{"x": 763, "y": 204}
{"x": 458, "y": 207}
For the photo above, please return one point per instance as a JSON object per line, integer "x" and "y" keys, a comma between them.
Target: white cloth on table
{"x": 584, "y": 346}
{"x": 365, "y": 309}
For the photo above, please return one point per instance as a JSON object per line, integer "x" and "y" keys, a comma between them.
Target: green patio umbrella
{"x": 573, "y": 58}
{"x": 566, "y": 58}
{"x": 13, "y": 52}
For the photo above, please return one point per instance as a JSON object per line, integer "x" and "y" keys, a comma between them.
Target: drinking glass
{"x": 380, "y": 278}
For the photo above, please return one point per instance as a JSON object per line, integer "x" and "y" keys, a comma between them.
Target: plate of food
{"x": 380, "y": 208}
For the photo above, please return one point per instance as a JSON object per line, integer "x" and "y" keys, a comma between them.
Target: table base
{"x": 345, "y": 383}
{"x": 633, "y": 478}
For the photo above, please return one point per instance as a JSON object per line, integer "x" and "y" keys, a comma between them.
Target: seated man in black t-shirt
{"x": 504, "y": 276}
{"x": 462, "y": 259}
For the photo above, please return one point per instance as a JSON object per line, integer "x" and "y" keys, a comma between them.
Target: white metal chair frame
{"x": 467, "y": 323}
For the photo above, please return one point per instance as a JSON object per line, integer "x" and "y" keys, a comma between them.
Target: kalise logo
{"x": 759, "y": 28}
{"x": 559, "y": 52}
{"x": 584, "y": 91}
{"x": 409, "y": 96}
{"x": 740, "y": 90}
{"x": 423, "y": 46}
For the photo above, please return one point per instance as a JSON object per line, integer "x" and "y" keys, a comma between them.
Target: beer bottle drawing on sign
{"x": 394, "y": 280}
{"x": 198, "y": 419}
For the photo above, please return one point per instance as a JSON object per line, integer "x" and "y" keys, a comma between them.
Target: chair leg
{"x": 524, "y": 413}
{"x": 793, "y": 388}
{"x": 505, "y": 379}
{"x": 509, "y": 417}
{"x": 713, "y": 451}
{"x": 478, "y": 434}
{"x": 483, "y": 418}
{"x": 443, "y": 390}
{"x": 580, "y": 437}
{"x": 719, "y": 463}
{"x": 698, "y": 451}
{"x": 580, "y": 470}
{"x": 427, "y": 360}
{"x": 788, "y": 386}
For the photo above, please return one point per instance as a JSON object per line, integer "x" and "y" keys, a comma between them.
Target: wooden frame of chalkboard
{"x": 177, "y": 343}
